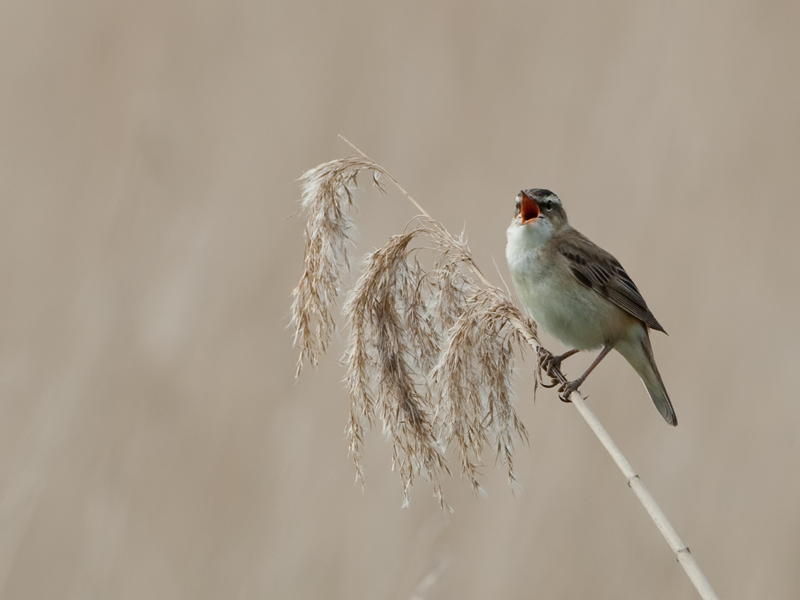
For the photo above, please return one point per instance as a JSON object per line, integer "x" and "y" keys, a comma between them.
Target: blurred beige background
{"x": 153, "y": 441}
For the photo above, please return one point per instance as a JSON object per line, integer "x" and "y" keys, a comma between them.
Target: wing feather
{"x": 597, "y": 269}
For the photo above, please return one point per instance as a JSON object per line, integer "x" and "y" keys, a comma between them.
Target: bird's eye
{"x": 548, "y": 205}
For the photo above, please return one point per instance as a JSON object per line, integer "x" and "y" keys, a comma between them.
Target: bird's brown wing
{"x": 597, "y": 269}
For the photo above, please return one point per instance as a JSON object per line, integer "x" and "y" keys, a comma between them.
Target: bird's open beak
{"x": 529, "y": 210}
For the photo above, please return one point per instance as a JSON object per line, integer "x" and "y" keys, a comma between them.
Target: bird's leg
{"x": 552, "y": 365}
{"x": 568, "y": 387}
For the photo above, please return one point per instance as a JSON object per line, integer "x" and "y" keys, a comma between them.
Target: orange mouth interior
{"x": 529, "y": 210}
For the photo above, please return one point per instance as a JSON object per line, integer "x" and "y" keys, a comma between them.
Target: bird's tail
{"x": 639, "y": 353}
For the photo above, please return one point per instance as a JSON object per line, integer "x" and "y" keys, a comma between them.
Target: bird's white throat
{"x": 527, "y": 237}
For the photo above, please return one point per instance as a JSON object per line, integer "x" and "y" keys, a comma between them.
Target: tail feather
{"x": 639, "y": 353}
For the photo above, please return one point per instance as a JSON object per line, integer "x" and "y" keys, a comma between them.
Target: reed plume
{"x": 430, "y": 350}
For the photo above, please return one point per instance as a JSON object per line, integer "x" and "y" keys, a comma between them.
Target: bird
{"x": 580, "y": 294}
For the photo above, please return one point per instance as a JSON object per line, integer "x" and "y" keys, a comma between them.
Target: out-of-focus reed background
{"x": 153, "y": 441}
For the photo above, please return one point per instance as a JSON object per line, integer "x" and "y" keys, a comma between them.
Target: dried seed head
{"x": 473, "y": 380}
{"x": 430, "y": 353}
{"x": 327, "y": 196}
{"x": 390, "y": 338}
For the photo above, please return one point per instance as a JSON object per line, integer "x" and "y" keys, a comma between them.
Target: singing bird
{"x": 579, "y": 293}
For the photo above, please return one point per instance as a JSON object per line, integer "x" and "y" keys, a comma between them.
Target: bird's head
{"x": 538, "y": 215}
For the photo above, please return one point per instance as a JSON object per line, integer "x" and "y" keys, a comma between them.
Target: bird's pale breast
{"x": 572, "y": 313}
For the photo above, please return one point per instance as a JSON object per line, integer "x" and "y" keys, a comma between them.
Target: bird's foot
{"x": 566, "y": 389}
{"x": 548, "y": 360}
{"x": 551, "y": 364}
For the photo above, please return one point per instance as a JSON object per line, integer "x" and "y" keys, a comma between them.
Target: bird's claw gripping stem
{"x": 551, "y": 365}
{"x": 566, "y": 388}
